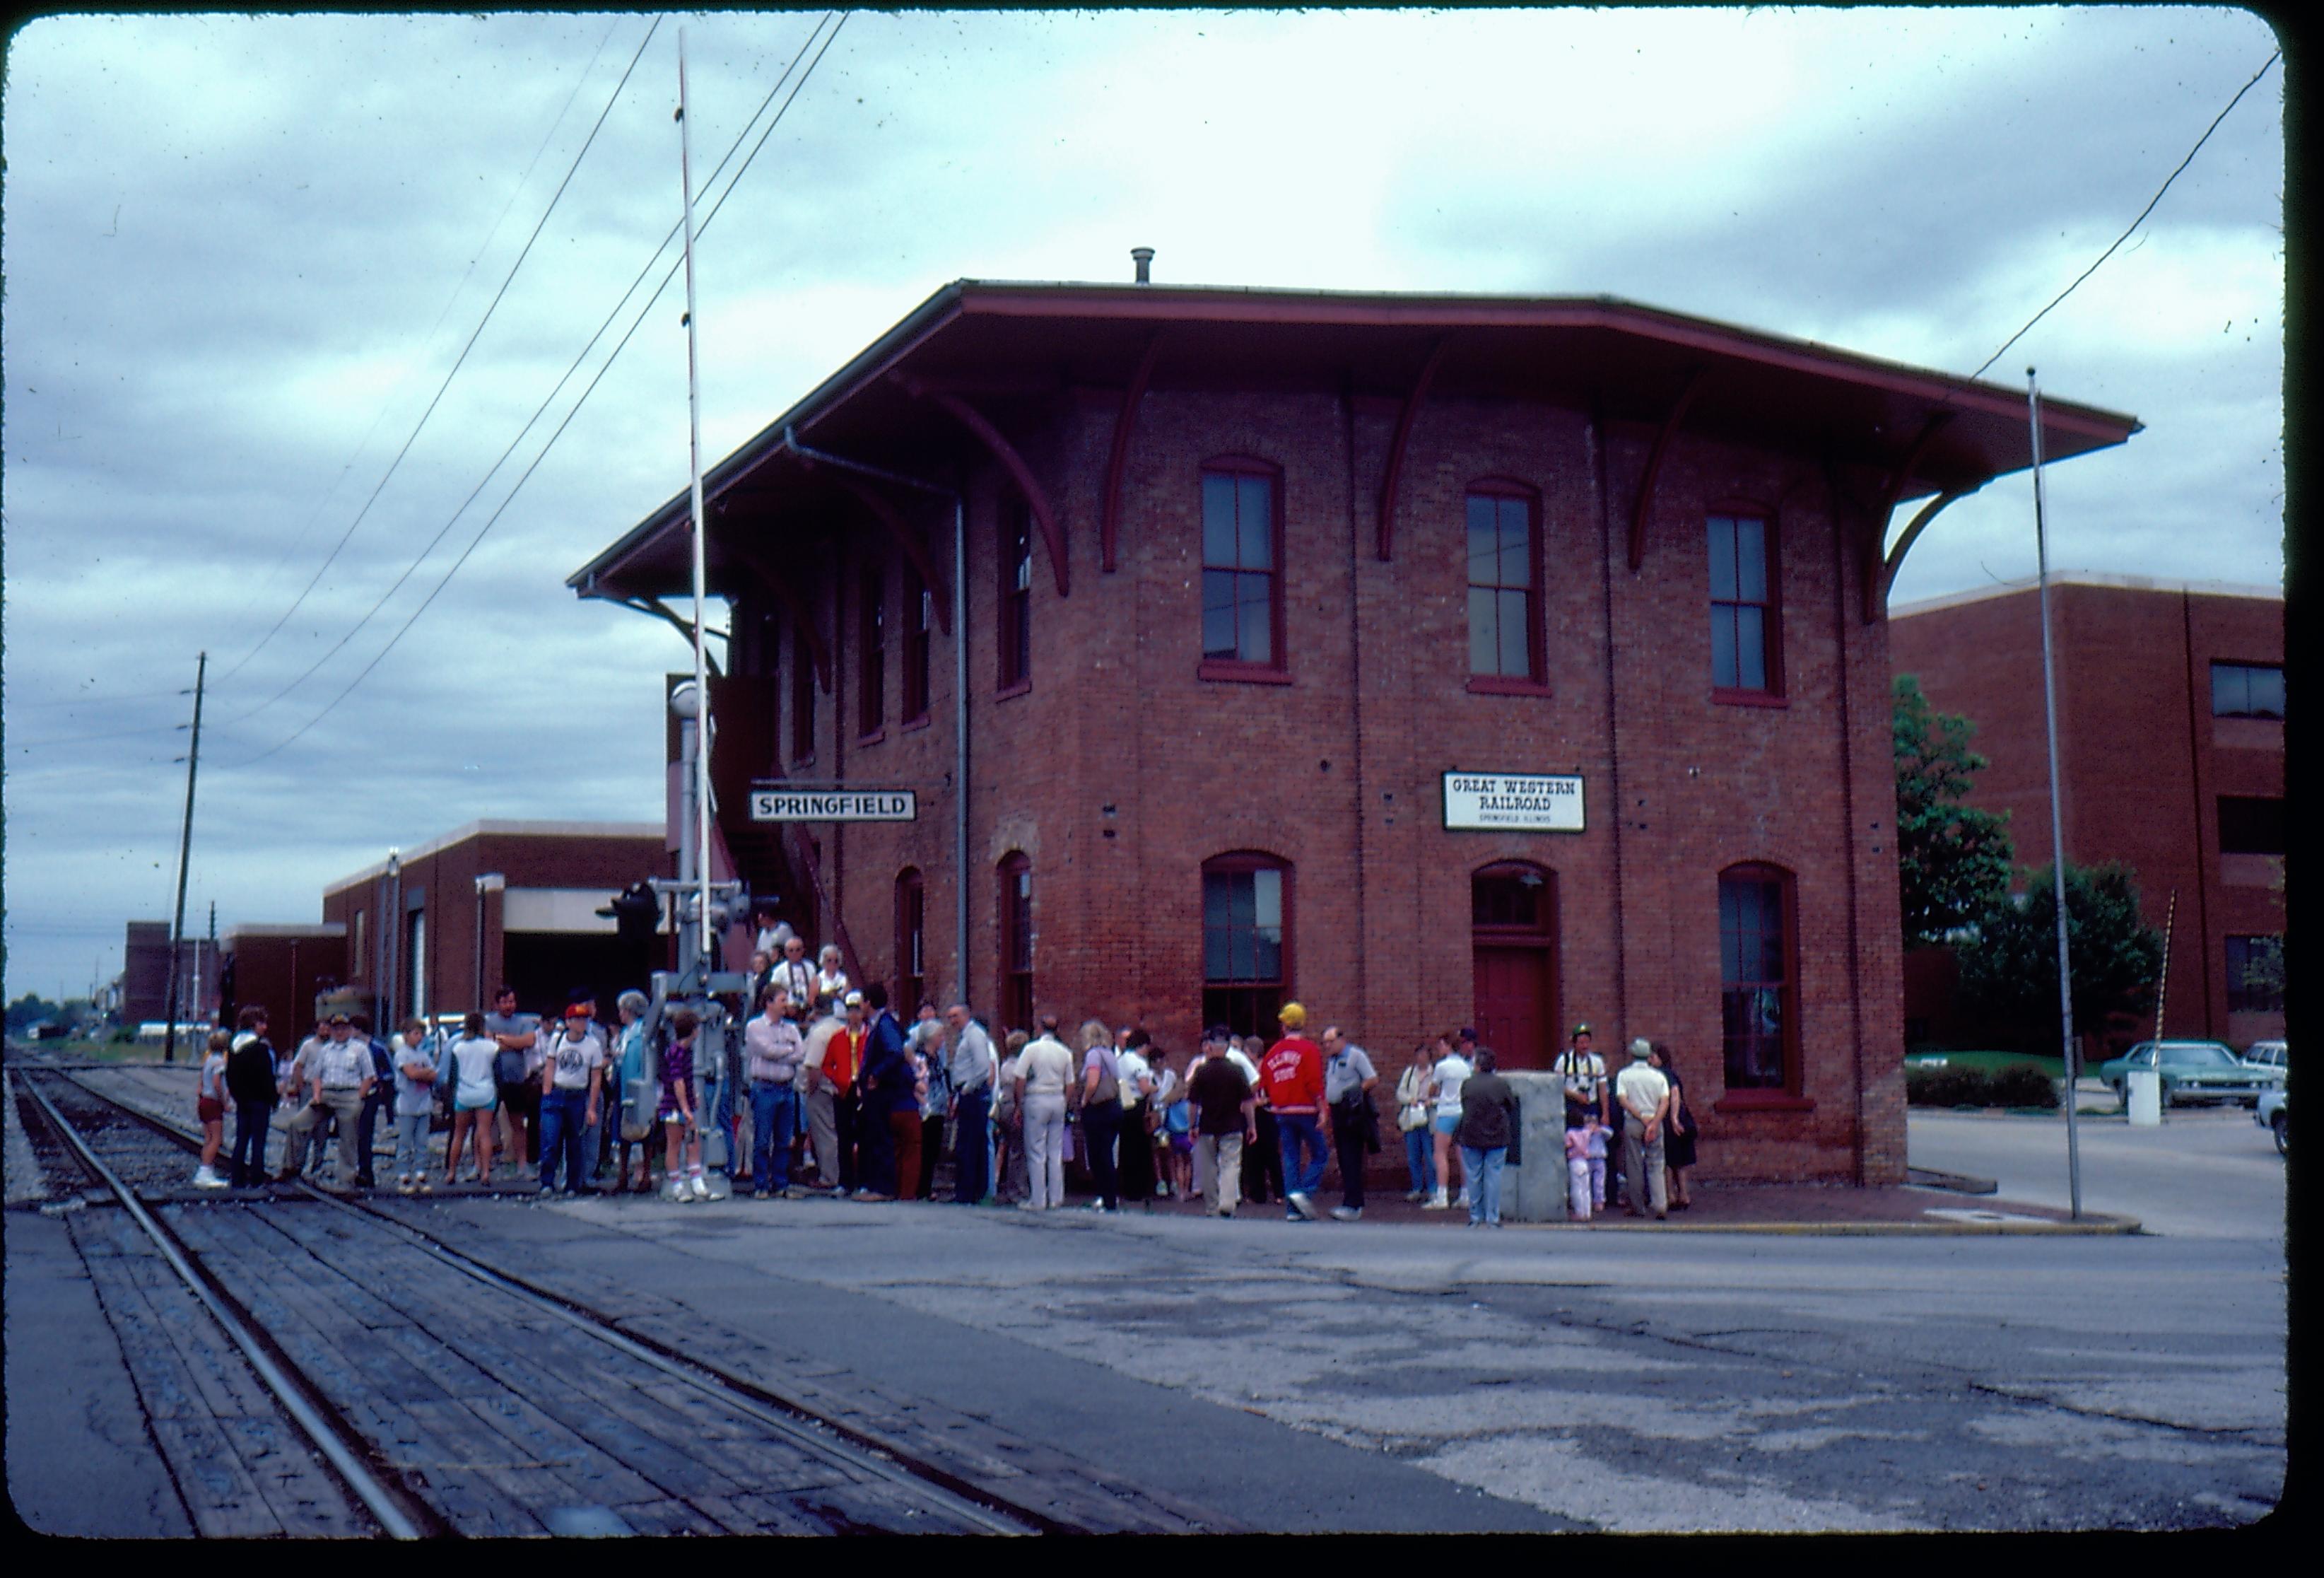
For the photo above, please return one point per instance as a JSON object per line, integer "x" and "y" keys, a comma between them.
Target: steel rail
{"x": 795, "y": 1420}
{"x": 392, "y": 1506}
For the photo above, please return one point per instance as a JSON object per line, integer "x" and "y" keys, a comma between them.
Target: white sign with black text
{"x": 834, "y": 805}
{"x": 1512, "y": 802}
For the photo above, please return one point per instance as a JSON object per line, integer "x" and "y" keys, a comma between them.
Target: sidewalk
{"x": 1834, "y": 1210}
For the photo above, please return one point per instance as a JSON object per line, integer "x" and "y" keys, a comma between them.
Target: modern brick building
{"x": 2171, "y": 761}
{"x": 519, "y": 898}
{"x": 1260, "y": 594}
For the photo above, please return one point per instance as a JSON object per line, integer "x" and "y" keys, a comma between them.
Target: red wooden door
{"x": 1512, "y": 1003}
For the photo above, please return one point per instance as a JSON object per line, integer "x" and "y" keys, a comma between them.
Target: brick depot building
{"x": 2171, "y": 761}
{"x": 1261, "y": 587}
{"x": 519, "y": 898}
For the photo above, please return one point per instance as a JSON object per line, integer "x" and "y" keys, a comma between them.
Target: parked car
{"x": 2191, "y": 1071}
{"x": 2269, "y": 1055}
{"x": 2274, "y": 1116}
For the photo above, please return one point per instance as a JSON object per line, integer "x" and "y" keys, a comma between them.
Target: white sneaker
{"x": 1347, "y": 1214}
{"x": 698, "y": 1187}
{"x": 1303, "y": 1205}
{"x": 1437, "y": 1202}
{"x": 204, "y": 1178}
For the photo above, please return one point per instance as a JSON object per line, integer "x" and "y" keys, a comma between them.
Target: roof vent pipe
{"x": 1144, "y": 257}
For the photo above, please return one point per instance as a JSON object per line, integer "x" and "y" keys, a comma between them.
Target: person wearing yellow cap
{"x": 1292, "y": 1072}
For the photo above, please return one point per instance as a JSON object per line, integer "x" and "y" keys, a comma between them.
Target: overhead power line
{"x": 547, "y": 137}
{"x": 2142, "y": 213}
{"x": 510, "y": 498}
{"x": 458, "y": 364}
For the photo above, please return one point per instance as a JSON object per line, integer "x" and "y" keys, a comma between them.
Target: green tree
{"x": 1952, "y": 859}
{"x": 28, "y": 1010}
{"x": 2009, "y": 973}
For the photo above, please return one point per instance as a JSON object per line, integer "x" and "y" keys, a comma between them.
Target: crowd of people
{"x": 841, "y": 1097}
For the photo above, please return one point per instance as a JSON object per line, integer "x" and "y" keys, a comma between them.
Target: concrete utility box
{"x": 2146, "y": 1105}
{"x": 1535, "y": 1192}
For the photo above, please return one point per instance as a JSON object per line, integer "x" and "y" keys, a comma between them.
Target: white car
{"x": 2272, "y": 1115}
{"x": 2269, "y": 1055}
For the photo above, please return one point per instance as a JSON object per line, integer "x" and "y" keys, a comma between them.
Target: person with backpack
{"x": 250, "y": 1081}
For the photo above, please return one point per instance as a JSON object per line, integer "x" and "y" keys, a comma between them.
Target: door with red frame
{"x": 1513, "y": 943}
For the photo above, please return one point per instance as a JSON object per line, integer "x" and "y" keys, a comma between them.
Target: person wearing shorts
{"x": 210, "y": 1107}
{"x": 474, "y": 1096}
{"x": 1451, "y": 1069}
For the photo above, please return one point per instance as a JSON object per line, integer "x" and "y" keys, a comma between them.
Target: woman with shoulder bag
{"x": 1412, "y": 1119}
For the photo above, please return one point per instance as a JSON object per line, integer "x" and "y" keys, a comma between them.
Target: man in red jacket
{"x": 1292, "y": 1074}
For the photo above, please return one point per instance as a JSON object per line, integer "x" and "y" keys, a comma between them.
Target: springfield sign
{"x": 1512, "y": 802}
{"x": 834, "y": 805}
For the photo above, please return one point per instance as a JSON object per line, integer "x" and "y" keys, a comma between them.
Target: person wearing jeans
{"x": 1292, "y": 1076}
{"x": 1491, "y": 1136}
{"x": 774, "y": 1048}
{"x": 571, "y": 1077}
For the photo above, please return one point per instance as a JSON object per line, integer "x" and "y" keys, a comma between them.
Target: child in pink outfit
{"x": 1577, "y": 1173}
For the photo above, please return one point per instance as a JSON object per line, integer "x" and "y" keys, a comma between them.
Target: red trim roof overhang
{"x": 997, "y": 342}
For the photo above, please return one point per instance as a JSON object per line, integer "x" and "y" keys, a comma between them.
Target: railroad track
{"x": 460, "y": 1398}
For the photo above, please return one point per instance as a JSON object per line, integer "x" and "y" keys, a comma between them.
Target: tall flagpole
{"x": 2057, "y": 813}
{"x": 694, "y": 465}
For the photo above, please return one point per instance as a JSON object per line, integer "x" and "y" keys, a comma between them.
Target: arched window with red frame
{"x": 1246, "y": 941}
{"x": 911, "y": 941}
{"x": 1016, "y": 995}
{"x": 1758, "y": 986}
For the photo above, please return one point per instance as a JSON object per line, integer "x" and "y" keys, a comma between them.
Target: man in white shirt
{"x": 792, "y": 975}
{"x": 338, "y": 1076}
{"x": 1044, "y": 1070}
{"x": 1643, "y": 1096}
{"x": 971, "y": 1068}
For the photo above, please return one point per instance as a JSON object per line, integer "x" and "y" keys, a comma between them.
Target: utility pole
{"x": 185, "y": 847}
{"x": 2068, "y": 1045}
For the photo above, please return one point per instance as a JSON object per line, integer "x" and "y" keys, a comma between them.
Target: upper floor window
{"x": 1758, "y": 1000}
{"x": 872, "y": 636}
{"x": 1246, "y": 942}
{"x": 920, "y": 623}
{"x": 2251, "y": 825}
{"x": 1242, "y": 584}
{"x": 2247, "y": 691}
{"x": 1743, "y": 655}
{"x": 1504, "y": 613}
{"x": 1016, "y": 595}
{"x": 802, "y": 697}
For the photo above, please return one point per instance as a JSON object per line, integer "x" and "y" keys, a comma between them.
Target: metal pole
{"x": 185, "y": 849}
{"x": 2057, "y": 813}
{"x": 2162, "y": 979}
{"x": 960, "y": 739}
{"x": 694, "y": 466}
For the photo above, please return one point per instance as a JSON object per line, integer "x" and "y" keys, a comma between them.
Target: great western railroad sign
{"x": 1518, "y": 802}
{"x": 834, "y": 805}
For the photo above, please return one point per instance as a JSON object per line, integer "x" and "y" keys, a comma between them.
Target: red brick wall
{"x": 1337, "y": 772}
{"x": 2142, "y": 760}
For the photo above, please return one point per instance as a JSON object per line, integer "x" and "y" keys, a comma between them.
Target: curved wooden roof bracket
{"x": 1110, "y": 514}
{"x": 1874, "y": 575}
{"x": 756, "y": 561}
{"x": 1913, "y": 528}
{"x": 1397, "y": 446}
{"x": 1645, "y": 500}
{"x": 1036, "y": 497}
{"x": 677, "y": 622}
{"x": 908, "y": 543}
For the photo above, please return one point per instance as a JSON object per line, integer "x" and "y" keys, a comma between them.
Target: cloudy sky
{"x": 242, "y": 253}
